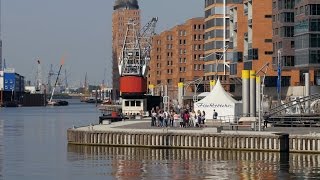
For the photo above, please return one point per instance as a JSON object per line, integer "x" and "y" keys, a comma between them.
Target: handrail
{"x": 290, "y": 104}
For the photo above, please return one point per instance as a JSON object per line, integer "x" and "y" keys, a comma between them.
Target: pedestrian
{"x": 199, "y": 118}
{"x": 176, "y": 119}
{"x": 161, "y": 116}
{"x": 192, "y": 121}
{"x": 203, "y": 117}
{"x": 166, "y": 118}
{"x": 171, "y": 118}
{"x": 186, "y": 118}
{"x": 153, "y": 117}
{"x": 215, "y": 114}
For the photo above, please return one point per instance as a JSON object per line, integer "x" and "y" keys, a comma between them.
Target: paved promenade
{"x": 145, "y": 125}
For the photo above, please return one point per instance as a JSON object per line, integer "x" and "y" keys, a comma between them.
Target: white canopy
{"x": 220, "y": 101}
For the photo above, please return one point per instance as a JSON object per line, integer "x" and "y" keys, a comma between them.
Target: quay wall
{"x": 181, "y": 140}
{"x": 304, "y": 144}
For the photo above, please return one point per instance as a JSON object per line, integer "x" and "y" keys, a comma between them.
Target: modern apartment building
{"x": 251, "y": 36}
{"x": 296, "y": 29}
{"x": 124, "y": 10}
{"x": 217, "y": 41}
{"x": 176, "y": 56}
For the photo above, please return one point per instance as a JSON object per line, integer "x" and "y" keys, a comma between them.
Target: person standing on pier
{"x": 176, "y": 119}
{"x": 203, "y": 117}
{"x": 215, "y": 114}
{"x": 153, "y": 117}
{"x": 199, "y": 118}
{"x": 161, "y": 116}
{"x": 166, "y": 118}
{"x": 193, "y": 119}
{"x": 171, "y": 118}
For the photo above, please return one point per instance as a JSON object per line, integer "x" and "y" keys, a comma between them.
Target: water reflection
{"x": 137, "y": 163}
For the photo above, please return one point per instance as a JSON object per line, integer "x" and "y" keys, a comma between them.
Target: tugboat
{"x": 58, "y": 103}
{"x": 111, "y": 113}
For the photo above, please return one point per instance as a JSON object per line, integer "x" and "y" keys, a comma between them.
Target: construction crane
{"x": 133, "y": 66}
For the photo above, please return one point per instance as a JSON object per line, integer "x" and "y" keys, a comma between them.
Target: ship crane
{"x": 133, "y": 66}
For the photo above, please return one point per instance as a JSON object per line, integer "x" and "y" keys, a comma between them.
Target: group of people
{"x": 185, "y": 118}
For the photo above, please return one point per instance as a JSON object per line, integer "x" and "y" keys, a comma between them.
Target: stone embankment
{"x": 137, "y": 134}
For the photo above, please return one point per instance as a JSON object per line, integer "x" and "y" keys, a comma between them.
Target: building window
{"x": 268, "y": 52}
{"x": 247, "y": 65}
{"x": 314, "y": 24}
{"x": 138, "y": 103}
{"x": 253, "y": 54}
{"x": 268, "y": 16}
{"x": 314, "y": 9}
{"x": 287, "y": 31}
{"x": 132, "y": 103}
{"x": 288, "y": 61}
{"x": 287, "y": 17}
{"x": 126, "y": 103}
{"x": 315, "y": 57}
{"x": 268, "y": 40}
{"x": 292, "y": 44}
{"x": 315, "y": 40}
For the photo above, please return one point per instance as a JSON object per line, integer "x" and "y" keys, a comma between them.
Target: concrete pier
{"x": 207, "y": 138}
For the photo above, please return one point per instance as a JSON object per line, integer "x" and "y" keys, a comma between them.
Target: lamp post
{"x": 260, "y": 89}
{"x": 224, "y": 35}
{"x": 222, "y": 56}
{"x": 279, "y": 69}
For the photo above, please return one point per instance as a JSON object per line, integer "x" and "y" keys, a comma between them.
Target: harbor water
{"x": 33, "y": 145}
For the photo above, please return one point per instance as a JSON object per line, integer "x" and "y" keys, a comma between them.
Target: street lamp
{"x": 279, "y": 69}
{"x": 260, "y": 90}
{"x": 221, "y": 57}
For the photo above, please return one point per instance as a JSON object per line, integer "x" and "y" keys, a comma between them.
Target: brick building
{"x": 124, "y": 10}
{"x": 217, "y": 40}
{"x": 176, "y": 56}
{"x": 251, "y": 36}
{"x": 296, "y": 29}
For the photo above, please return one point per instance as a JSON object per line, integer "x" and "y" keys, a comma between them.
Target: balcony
{"x": 245, "y": 36}
{"x": 249, "y": 22}
{"x": 231, "y": 17}
{"x": 245, "y": 11}
{"x": 235, "y": 26}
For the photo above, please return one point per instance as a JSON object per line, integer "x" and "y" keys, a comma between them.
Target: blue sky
{"x": 79, "y": 30}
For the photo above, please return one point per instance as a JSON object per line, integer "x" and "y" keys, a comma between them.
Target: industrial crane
{"x": 133, "y": 66}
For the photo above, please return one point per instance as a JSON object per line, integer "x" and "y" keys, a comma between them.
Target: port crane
{"x": 133, "y": 66}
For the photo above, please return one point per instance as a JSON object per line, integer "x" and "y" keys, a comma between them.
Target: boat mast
{"x": 55, "y": 84}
